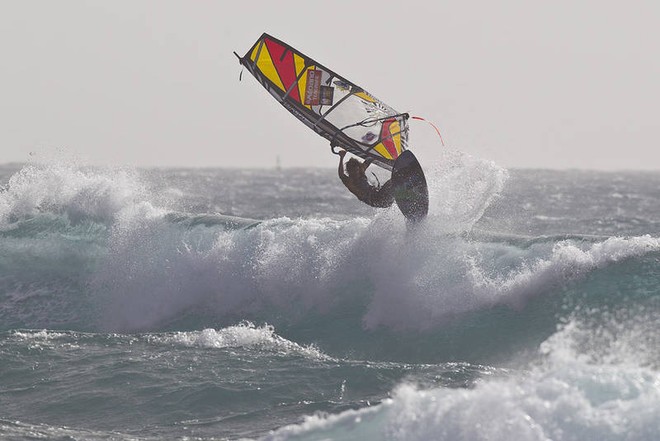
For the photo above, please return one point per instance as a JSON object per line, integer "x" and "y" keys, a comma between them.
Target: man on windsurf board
{"x": 357, "y": 183}
{"x": 349, "y": 117}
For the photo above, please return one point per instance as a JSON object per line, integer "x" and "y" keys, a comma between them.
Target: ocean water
{"x": 526, "y": 307}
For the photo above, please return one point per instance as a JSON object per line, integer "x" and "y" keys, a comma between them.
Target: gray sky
{"x": 561, "y": 84}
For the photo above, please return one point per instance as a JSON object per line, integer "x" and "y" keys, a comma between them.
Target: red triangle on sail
{"x": 284, "y": 65}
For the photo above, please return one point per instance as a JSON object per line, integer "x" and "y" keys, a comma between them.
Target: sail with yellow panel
{"x": 335, "y": 108}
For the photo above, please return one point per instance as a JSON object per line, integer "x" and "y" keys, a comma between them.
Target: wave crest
{"x": 76, "y": 192}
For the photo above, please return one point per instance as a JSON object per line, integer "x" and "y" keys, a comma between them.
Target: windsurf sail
{"x": 335, "y": 108}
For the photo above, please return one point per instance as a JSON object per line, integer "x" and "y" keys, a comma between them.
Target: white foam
{"x": 424, "y": 280}
{"x": 45, "y": 339}
{"x": 625, "y": 336}
{"x": 244, "y": 335}
{"x": 567, "y": 261}
{"x": 562, "y": 398}
{"x": 80, "y": 193}
{"x": 42, "y": 335}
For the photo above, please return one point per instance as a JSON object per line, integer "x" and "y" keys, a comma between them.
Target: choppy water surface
{"x": 526, "y": 307}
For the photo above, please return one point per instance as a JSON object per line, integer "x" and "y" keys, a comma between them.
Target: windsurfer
{"x": 357, "y": 183}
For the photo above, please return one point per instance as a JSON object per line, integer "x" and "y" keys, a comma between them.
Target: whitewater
{"x": 526, "y": 307}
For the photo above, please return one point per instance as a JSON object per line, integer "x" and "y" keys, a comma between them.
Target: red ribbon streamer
{"x": 433, "y": 125}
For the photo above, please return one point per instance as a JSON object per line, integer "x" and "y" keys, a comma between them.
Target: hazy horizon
{"x": 294, "y": 167}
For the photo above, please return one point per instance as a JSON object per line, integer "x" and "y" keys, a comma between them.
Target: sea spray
{"x": 461, "y": 188}
{"x": 79, "y": 193}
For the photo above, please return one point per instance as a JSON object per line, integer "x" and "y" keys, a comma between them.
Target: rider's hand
{"x": 367, "y": 162}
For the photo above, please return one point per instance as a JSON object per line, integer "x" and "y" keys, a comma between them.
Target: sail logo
{"x": 313, "y": 89}
{"x": 315, "y": 93}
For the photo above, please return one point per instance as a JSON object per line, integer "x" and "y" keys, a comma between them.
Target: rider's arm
{"x": 367, "y": 162}
{"x": 342, "y": 175}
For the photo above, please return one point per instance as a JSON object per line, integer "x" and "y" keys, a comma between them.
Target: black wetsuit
{"x": 380, "y": 197}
